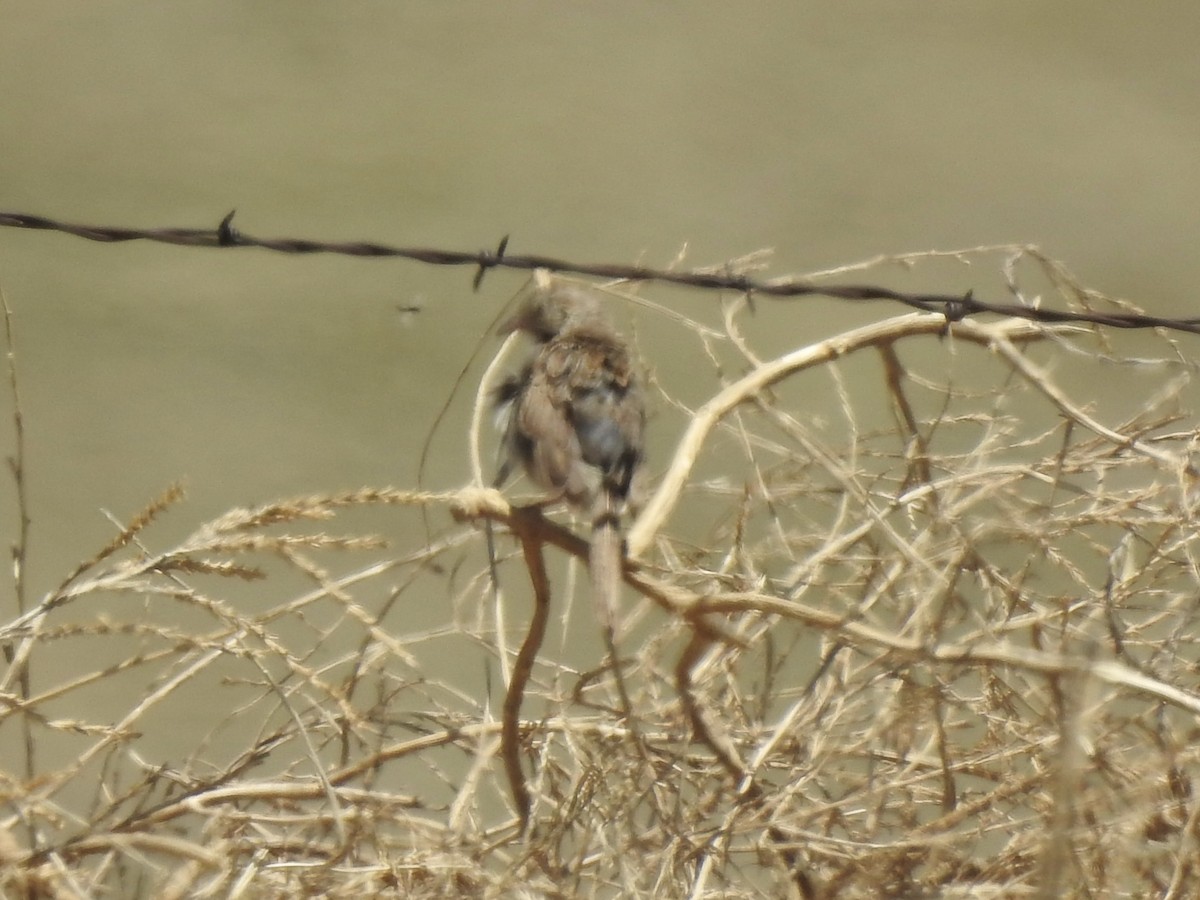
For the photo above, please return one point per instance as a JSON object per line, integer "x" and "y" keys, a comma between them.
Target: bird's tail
{"x": 606, "y": 567}
{"x": 605, "y": 558}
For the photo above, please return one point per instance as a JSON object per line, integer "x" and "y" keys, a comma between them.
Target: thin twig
{"x": 527, "y": 525}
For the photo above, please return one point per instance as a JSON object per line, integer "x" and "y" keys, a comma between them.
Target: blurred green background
{"x": 604, "y": 132}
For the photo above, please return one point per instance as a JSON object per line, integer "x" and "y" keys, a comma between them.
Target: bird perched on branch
{"x": 573, "y": 419}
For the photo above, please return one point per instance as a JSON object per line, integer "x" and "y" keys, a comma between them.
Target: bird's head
{"x": 554, "y": 308}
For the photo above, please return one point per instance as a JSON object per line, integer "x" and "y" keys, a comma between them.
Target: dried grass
{"x": 938, "y": 643}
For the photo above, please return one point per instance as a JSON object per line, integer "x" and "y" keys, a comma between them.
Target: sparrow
{"x": 573, "y": 418}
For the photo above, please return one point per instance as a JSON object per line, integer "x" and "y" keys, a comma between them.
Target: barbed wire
{"x": 953, "y": 306}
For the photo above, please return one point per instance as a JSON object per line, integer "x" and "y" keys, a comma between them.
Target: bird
{"x": 574, "y": 419}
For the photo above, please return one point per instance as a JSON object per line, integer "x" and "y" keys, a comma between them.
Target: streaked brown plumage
{"x": 574, "y": 419}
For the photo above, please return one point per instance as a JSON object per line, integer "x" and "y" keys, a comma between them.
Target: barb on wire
{"x": 954, "y": 306}
{"x": 484, "y": 266}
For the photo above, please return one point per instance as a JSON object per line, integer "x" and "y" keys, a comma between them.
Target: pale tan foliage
{"x": 922, "y": 621}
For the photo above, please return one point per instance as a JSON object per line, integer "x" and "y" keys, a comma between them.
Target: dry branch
{"x": 943, "y": 644}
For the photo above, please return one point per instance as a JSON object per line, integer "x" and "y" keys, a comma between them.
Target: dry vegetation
{"x": 936, "y": 640}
